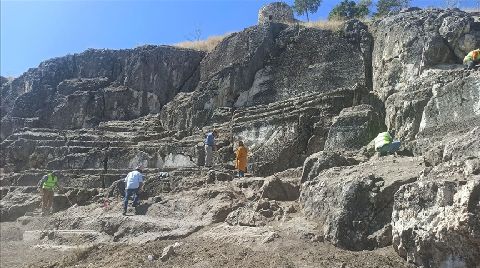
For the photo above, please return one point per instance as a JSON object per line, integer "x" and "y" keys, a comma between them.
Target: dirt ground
{"x": 215, "y": 246}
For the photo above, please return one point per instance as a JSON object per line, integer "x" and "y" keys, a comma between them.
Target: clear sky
{"x": 33, "y": 31}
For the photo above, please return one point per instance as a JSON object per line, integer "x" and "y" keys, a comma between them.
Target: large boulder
{"x": 436, "y": 223}
{"x": 278, "y": 189}
{"x": 17, "y": 202}
{"x": 353, "y": 205}
{"x": 317, "y": 162}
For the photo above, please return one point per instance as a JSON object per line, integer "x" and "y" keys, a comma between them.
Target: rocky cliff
{"x": 306, "y": 102}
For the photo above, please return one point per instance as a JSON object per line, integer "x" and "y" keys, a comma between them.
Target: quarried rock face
{"x": 84, "y": 89}
{"x": 408, "y": 43}
{"x": 436, "y": 223}
{"x": 417, "y": 72}
{"x": 272, "y": 67}
{"x": 354, "y": 203}
{"x": 454, "y": 104}
{"x": 443, "y": 101}
{"x": 279, "y": 135}
{"x": 354, "y": 128}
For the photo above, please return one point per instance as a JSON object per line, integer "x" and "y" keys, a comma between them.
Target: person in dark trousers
{"x": 133, "y": 185}
{"x": 210, "y": 146}
{"x": 46, "y": 186}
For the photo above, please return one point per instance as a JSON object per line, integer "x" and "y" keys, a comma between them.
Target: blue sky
{"x": 33, "y": 31}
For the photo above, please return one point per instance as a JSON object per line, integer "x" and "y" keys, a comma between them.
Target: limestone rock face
{"x": 354, "y": 203}
{"x": 453, "y": 104}
{"x": 354, "y": 128}
{"x": 279, "y": 135}
{"x": 409, "y": 42}
{"x": 417, "y": 72}
{"x": 248, "y": 85}
{"x": 295, "y": 96}
{"x": 443, "y": 101}
{"x": 436, "y": 223}
{"x": 272, "y": 68}
{"x": 84, "y": 89}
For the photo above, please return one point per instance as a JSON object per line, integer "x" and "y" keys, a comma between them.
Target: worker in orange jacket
{"x": 241, "y": 159}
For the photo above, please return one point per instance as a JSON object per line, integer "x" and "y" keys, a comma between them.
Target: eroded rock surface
{"x": 436, "y": 223}
{"x": 354, "y": 203}
{"x": 298, "y": 97}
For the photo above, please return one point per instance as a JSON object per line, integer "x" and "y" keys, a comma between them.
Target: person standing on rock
{"x": 133, "y": 185}
{"x": 472, "y": 59}
{"x": 210, "y": 146}
{"x": 241, "y": 159}
{"x": 47, "y": 185}
{"x": 384, "y": 143}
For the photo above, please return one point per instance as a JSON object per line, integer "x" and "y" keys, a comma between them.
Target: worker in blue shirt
{"x": 133, "y": 185}
{"x": 210, "y": 147}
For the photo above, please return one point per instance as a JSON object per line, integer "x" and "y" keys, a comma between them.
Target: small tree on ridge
{"x": 348, "y": 9}
{"x": 305, "y": 6}
{"x": 386, "y": 6}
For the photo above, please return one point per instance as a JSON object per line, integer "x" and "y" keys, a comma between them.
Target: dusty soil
{"x": 14, "y": 252}
{"x": 219, "y": 245}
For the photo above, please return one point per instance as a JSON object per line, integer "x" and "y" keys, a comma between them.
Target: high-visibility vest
{"x": 50, "y": 182}
{"x": 473, "y": 55}
{"x": 382, "y": 139}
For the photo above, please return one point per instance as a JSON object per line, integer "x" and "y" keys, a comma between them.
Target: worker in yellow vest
{"x": 384, "y": 143}
{"x": 47, "y": 185}
{"x": 472, "y": 58}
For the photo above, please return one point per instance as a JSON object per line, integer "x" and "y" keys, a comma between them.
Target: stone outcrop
{"x": 353, "y": 205}
{"x": 443, "y": 101}
{"x": 436, "y": 223}
{"x": 320, "y": 161}
{"x": 354, "y": 128}
{"x": 82, "y": 90}
{"x": 272, "y": 67}
{"x": 412, "y": 41}
{"x": 296, "y": 96}
{"x": 413, "y": 65}
{"x": 17, "y": 201}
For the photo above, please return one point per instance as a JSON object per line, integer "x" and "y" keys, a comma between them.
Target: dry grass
{"x": 471, "y": 9}
{"x": 203, "y": 45}
{"x": 332, "y": 25}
